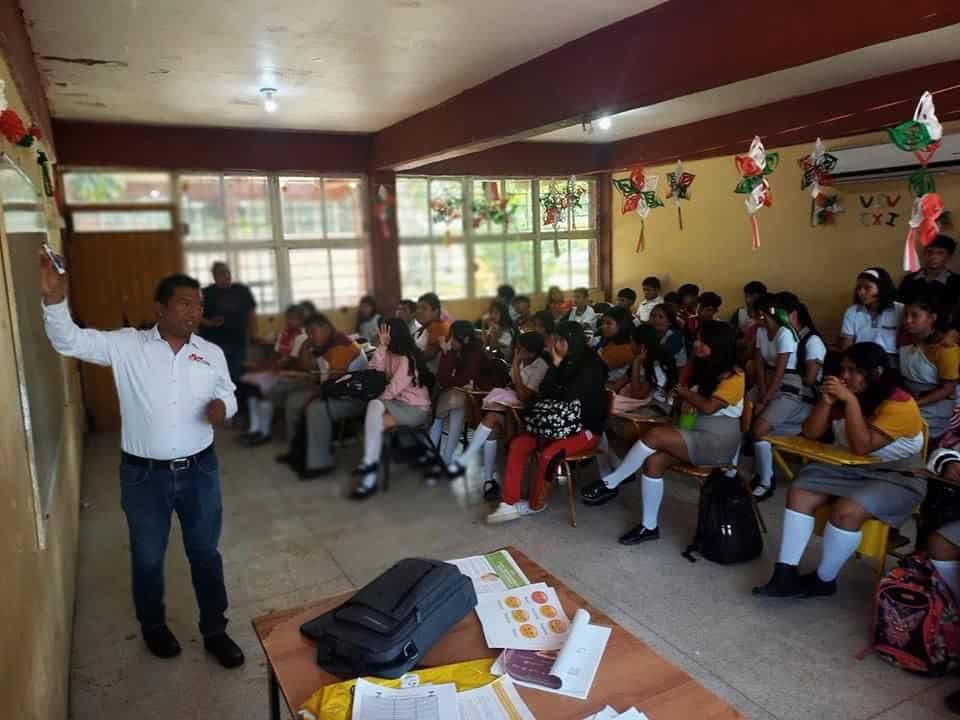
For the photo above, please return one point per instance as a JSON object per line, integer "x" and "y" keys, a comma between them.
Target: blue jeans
{"x": 149, "y": 497}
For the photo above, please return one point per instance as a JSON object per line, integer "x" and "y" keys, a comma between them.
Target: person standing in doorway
{"x": 174, "y": 388}
{"x": 229, "y": 317}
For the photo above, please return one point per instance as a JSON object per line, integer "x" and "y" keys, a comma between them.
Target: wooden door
{"x": 113, "y": 276}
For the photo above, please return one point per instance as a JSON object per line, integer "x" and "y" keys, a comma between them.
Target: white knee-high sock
{"x": 480, "y": 436}
{"x": 489, "y": 459}
{"x": 797, "y": 529}
{"x": 950, "y": 572}
{"x": 838, "y": 546}
{"x": 763, "y": 455}
{"x": 455, "y": 422}
{"x": 253, "y": 410}
{"x": 372, "y": 438}
{"x": 631, "y": 463}
{"x": 266, "y": 416}
{"x": 436, "y": 431}
{"x": 651, "y": 489}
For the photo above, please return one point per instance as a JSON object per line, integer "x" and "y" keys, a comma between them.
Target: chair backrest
{"x": 926, "y": 442}
{"x": 746, "y": 418}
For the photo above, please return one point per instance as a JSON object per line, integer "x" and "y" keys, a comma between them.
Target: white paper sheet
{"x": 494, "y": 572}
{"x": 428, "y": 702}
{"x": 608, "y": 713}
{"x": 497, "y": 701}
{"x": 631, "y": 714}
{"x": 528, "y": 618}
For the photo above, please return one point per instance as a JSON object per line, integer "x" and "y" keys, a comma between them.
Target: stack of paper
{"x": 497, "y": 701}
{"x": 608, "y": 713}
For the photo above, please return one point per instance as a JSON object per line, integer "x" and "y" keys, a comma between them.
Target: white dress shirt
{"x": 646, "y": 307}
{"x": 163, "y": 397}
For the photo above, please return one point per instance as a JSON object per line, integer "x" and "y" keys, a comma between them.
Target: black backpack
{"x": 360, "y": 385}
{"x": 727, "y": 529}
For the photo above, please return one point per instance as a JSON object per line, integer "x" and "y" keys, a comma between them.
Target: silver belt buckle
{"x": 179, "y": 464}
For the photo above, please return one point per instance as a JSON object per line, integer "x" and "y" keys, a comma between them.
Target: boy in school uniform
{"x": 651, "y": 298}
{"x": 934, "y": 280}
{"x": 626, "y": 299}
{"x": 582, "y": 313}
{"x": 433, "y": 331}
{"x": 687, "y": 313}
{"x": 743, "y": 318}
{"x": 522, "y": 318}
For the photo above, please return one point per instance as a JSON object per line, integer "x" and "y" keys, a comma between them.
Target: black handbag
{"x": 360, "y": 385}
{"x": 553, "y": 419}
{"x": 387, "y": 627}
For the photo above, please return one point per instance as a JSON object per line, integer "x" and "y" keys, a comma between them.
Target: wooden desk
{"x": 630, "y": 672}
{"x": 813, "y": 450}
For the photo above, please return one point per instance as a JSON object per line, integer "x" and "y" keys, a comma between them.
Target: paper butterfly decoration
{"x": 921, "y": 135}
{"x": 923, "y": 227}
{"x": 680, "y": 182}
{"x": 754, "y": 167}
{"x": 556, "y": 203}
{"x": 817, "y": 168}
{"x": 640, "y": 196}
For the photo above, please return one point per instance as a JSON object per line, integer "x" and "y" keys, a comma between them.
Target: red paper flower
{"x": 35, "y": 131}
{"x": 12, "y": 126}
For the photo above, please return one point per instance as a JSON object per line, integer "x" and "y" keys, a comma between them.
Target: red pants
{"x": 523, "y": 446}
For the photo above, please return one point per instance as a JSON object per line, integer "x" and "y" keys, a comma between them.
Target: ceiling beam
{"x": 16, "y": 50}
{"x": 671, "y": 50}
{"x": 525, "y": 158}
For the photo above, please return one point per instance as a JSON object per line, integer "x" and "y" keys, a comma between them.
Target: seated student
{"x": 716, "y": 395}
{"x": 626, "y": 299}
{"x": 462, "y": 363}
{"x": 407, "y": 311}
{"x": 875, "y": 315}
{"x": 368, "y": 319}
{"x": 498, "y": 333}
{"x": 576, "y": 373}
{"x": 615, "y": 347}
{"x": 934, "y": 281}
{"x": 789, "y": 357}
{"x": 664, "y": 322}
{"x": 333, "y": 353}
{"x": 405, "y": 402}
{"x": 527, "y": 372}
{"x": 708, "y": 307}
{"x": 255, "y": 384}
{"x": 557, "y": 304}
{"x": 506, "y": 294}
{"x": 869, "y": 414}
{"x": 688, "y": 309}
{"x": 651, "y": 298}
{"x": 582, "y": 313}
{"x": 522, "y": 319}
{"x": 433, "y": 329}
{"x": 743, "y": 318}
{"x": 930, "y": 368}
{"x": 543, "y": 323}
{"x": 651, "y": 378}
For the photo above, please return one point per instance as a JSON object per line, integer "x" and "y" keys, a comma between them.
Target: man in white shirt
{"x": 582, "y": 313}
{"x": 174, "y": 387}
{"x": 651, "y": 298}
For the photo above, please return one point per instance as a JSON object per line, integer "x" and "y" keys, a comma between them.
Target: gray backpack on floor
{"x": 388, "y": 626}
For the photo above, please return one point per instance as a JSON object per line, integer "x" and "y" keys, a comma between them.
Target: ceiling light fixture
{"x": 269, "y": 104}
{"x": 604, "y": 122}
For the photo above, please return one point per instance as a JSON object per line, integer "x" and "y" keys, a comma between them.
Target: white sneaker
{"x": 523, "y": 508}
{"x": 504, "y": 513}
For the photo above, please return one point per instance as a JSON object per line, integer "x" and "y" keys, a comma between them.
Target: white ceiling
{"x": 339, "y": 65}
{"x": 874, "y": 61}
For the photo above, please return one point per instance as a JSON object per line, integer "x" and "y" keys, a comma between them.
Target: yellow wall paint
{"x": 36, "y": 605}
{"x": 820, "y": 264}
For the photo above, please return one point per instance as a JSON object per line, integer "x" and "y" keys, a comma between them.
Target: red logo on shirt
{"x": 197, "y": 358}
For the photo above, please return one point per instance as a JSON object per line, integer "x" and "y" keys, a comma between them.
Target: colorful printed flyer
{"x": 527, "y": 618}
{"x": 494, "y": 572}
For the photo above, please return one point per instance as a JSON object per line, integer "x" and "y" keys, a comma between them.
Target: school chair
{"x": 472, "y": 411}
{"x": 420, "y": 433}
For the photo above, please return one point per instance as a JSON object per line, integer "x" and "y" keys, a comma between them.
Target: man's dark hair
{"x": 687, "y": 290}
{"x": 521, "y": 298}
{"x": 582, "y": 291}
{"x": 431, "y": 299}
{"x": 944, "y": 242}
{"x": 409, "y": 305}
{"x": 168, "y": 286}
{"x": 754, "y": 287}
{"x": 628, "y": 293}
{"x": 651, "y": 282}
{"x": 711, "y": 299}
{"x": 506, "y": 293}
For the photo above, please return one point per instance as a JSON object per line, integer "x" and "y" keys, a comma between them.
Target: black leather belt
{"x": 176, "y": 464}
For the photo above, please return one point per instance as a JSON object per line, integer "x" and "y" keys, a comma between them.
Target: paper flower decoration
{"x": 493, "y": 208}
{"x": 754, "y": 167}
{"x": 921, "y": 183}
{"x": 445, "y": 210}
{"x": 383, "y": 210}
{"x": 680, "y": 182}
{"x": 556, "y": 203}
{"x": 826, "y": 209}
{"x": 923, "y": 227}
{"x": 817, "y": 168}
{"x": 640, "y": 196}
{"x": 922, "y": 135}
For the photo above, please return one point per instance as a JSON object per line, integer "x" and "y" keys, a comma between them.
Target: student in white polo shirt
{"x": 875, "y": 315}
{"x": 174, "y": 387}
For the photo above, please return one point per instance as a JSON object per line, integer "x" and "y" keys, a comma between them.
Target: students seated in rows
{"x": 934, "y": 281}
{"x": 651, "y": 298}
{"x": 582, "y": 313}
{"x": 576, "y": 375}
{"x": 407, "y": 311}
{"x": 433, "y": 329}
{"x": 653, "y": 374}
{"x": 522, "y": 317}
{"x": 615, "y": 347}
{"x": 332, "y": 354}
{"x": 869, "y": 414}
{"x": 789, "y": 365}
{"x": 526, "y": 373}
{"x": 929, "y": 366}
{"x": 404, "y": 402}
{"x": 875, "y": 315}
{"x": 543, "y": 323}
{"x": 715, "y": 399}
{"x": 498, "y": 333}
{"x": 368, "y": 319}
{"x": 663, "y": 319}
{"x": 626, "y": 299}
{"x": 463, "y": 363}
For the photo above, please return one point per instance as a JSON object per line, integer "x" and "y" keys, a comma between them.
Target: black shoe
{"x": 491, "y": 490}
{"x": 784, "y": 583}
{"x": 428, "y": 458}
{"x": 225, "y": 650}
{"x": 952, "y": 702}
{"x": 259, "y": 439}
{"x": 813, "y": 586}
{"x": 597, "y": 493}
{"x": 162, "y": 642}
{"x": 434, "y": 472}
{"x": 362, "y": 470}
{"x": 638, "y": 535}
{"x": 318, "y": 473}
{"x": 285, "y": 458}
{"x": 362, "y": 492}
{"x": 766, "y": 494}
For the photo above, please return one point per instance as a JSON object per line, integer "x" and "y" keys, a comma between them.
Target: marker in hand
{"x": 55, "y": 259}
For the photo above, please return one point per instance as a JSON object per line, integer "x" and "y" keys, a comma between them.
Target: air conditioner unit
{"x": 887, "y": 161}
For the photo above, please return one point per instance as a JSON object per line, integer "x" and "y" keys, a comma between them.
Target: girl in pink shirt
{"x": 405, "y": 401}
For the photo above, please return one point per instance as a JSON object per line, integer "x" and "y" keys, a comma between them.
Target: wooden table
{"x": 813, "y": 450}
{"x": 629, "y": 674}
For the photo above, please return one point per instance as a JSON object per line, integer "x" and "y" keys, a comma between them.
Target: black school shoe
{"x": 225, "y": 650}
{"x": 638, "y": 535}
{"x": 813, "y": 586}
{"x": 766, "y": 494}
{"x": 596, "y": 493}
{"x": 786, "y": 582}
{"x": 161, "y": 642}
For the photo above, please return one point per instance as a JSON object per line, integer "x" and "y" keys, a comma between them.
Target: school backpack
{"x": 802, "y": 349}
{"x": 359, "y": 385}
{"x": 727, "y": 528}
{"x": 915, "y": 623}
